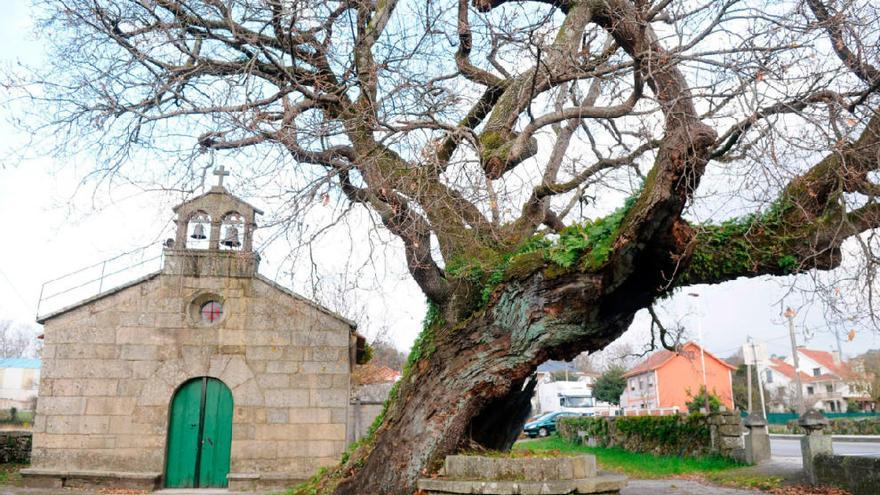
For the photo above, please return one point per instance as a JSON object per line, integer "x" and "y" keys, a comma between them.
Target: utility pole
{"x": 790, "y": 314}
{"x": 749, "y": 372}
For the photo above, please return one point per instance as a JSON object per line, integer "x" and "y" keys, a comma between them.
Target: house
{"x": 19, "y": 379}
{"x": 828, "y": 383}
{"x": 666, "y": 381}
{"x": 202, "y": 374}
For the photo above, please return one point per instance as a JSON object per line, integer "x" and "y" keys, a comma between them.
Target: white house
{"x": 828, "y": 383}
{"x": 19, "y": 381}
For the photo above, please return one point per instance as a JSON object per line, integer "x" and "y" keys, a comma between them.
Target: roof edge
{"x": 306, "y": 300}
{"x": 634, "y": 371}
{"x": 42, "y": 319}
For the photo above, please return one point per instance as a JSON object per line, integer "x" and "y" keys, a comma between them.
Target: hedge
{"x": 861, "y": 426}
{"x": 664, "y": 435}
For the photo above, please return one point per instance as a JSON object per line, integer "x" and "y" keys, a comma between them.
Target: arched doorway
{"x": 199, "y": 435}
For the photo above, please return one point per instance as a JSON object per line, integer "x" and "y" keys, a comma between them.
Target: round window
{"x": 207, "y": 309}
{"x": 211, "y": 311}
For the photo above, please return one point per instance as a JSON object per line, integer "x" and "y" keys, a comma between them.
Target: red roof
{"x": 826, "y": 360}
{"x": 659, "y": 358}
{"x": 786, "y": 369}
{"x": 366, "y": 374}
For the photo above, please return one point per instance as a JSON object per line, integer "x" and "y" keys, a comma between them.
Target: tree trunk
{"x": 469, "y": 383}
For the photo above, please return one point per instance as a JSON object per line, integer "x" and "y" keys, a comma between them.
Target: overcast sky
{"x": 52, "y": 227}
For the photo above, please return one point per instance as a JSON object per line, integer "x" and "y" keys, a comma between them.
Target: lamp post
{"x": 790, "y": 314}
{"x": 702, "y": 354}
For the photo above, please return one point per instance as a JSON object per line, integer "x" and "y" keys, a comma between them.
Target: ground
{"x": 665, "y": 475}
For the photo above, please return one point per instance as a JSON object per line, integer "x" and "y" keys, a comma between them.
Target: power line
{"x": 14, "y": 290}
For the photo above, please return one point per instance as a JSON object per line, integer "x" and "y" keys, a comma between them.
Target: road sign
{"x": 755, "y": 354}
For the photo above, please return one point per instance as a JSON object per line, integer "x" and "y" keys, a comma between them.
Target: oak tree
{"x": 722, "y": 139}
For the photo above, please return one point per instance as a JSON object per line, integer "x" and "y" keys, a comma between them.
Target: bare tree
{"x": 483, "y": 135}
{"x": 17, "y": 341}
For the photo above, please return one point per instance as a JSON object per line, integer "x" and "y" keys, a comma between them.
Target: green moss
{"x": 788, "y": 263}
{"x": 741, "y": 245}
{"x": 584, "y": 247}
{"x": 491, "y": 140}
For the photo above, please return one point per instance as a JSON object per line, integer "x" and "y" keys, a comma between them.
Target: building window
{"x": 817, "y": 371}
{"x": 211, "y": 311}
{"x": 809, "y": 390}
{"x": 769, "y": 376}
{"x": 829, "y": 388}
{"x": 207, "y": 309}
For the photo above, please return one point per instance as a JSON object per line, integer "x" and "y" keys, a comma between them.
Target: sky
{"x": 52, "y": 226}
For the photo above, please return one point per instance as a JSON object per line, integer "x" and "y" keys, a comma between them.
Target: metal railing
{"x": 96, "y": 279}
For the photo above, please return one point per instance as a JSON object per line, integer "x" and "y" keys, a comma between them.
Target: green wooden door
{"x": 199, "y": 435}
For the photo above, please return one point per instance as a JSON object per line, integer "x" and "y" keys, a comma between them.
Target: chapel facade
{"x": 203, "y": 374}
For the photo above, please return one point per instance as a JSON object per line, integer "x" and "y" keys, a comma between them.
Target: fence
{"x": 94, "y": 279}
{"x": 785, "y": 418}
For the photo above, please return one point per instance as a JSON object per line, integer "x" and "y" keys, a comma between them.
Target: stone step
{"x": 609, "y": 484}
{"x": 472, "y": 467}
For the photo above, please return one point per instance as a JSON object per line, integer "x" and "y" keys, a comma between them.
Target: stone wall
{"x": 112, "y": 366}
{"x": 367, "y": 402}
{"x": 361, "y": 417}
{"x": 858, "y": 475}
{"x": 681, "y": 435}
{"x": 15, "y": 447}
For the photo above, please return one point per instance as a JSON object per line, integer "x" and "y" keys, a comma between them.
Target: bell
{"x": 198, "y": 232}
{"x": 231, "y": 237}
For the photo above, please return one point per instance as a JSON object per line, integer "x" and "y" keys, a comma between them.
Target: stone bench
{"x": 521, "y": 476}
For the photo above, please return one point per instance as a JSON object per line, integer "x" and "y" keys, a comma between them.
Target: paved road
{"x": 791, "y": 447}
{"x": 678, "y": 487}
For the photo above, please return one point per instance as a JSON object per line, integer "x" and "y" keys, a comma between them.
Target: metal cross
{"x": 221, "y": 173}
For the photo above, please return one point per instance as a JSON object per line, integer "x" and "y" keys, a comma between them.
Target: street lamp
{"x": 702, "y": 354}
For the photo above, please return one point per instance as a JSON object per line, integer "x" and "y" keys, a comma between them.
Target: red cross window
{"x": 211, "y": 311}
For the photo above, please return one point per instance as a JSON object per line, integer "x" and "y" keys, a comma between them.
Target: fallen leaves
{"x": 809, "y": 490}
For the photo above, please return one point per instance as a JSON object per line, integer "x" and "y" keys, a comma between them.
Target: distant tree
{"x": 17, "y": 340}
{"x": 610, "y": 385}
{"x": 386, "y": 354}
{"x": 872, "y": 369}
{"x": 699, "y": 401}
{"x": 585, "y": 362}
{"x": 741, "y": 389}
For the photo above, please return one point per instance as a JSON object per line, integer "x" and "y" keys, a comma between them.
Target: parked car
{"x": 545, "y": 424}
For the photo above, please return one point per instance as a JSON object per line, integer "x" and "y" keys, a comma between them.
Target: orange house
{"x": 666, "y": 381}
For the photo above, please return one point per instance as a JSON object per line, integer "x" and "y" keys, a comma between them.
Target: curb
{"x": 836, "y": 438}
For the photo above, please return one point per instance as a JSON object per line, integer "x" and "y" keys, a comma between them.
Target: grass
{"x": 21, "y": 418}
{"x": 633, "y": 464}
{"x": 9, "y": 475}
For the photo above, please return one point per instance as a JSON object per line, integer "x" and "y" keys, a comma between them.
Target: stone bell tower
{"x": 214, "y": 235}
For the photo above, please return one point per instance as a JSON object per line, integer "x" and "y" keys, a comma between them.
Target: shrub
{"x": 699, "y": 401}
{"x": 841, "y": 426}
{"x": 667, "y": 435}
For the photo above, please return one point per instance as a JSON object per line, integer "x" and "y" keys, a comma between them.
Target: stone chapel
{"x": 202, "y": 374}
